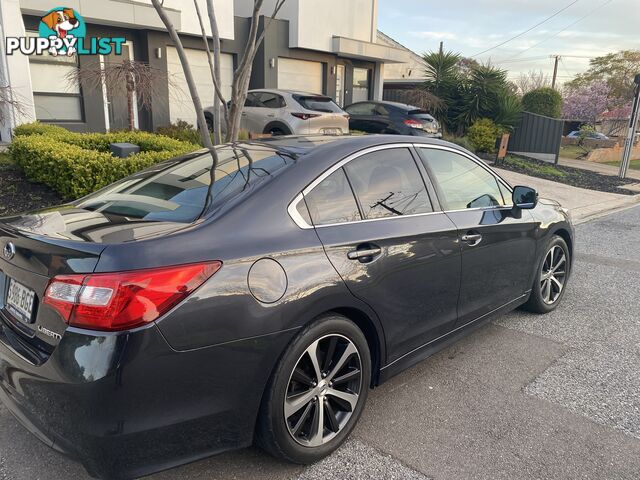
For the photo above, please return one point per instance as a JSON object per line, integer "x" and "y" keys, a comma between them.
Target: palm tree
{"x": 443, "y": 81}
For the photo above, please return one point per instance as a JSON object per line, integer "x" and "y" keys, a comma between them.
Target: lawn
{"x": 635, "y": 164}
{"x": 536, "y": 169}
{"x": 573, "y": 151}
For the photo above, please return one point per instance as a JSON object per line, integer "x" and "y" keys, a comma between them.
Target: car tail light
{"x": 413, "y": 123}
{"x": 121, "y": 301}
{"x": 305, "y": 116}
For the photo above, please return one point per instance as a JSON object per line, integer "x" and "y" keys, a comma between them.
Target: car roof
{"x": 402, "y": 106}
{"x": 305, "y": 145}
{"x": 287, "y": 92}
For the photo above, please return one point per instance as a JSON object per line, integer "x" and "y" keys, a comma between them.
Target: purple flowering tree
{"x": 586, "y": 102}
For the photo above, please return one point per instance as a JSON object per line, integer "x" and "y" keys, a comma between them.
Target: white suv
{"x": 283, "y": 112}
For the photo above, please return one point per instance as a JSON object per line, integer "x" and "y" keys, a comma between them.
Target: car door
{"x": 251, "y": 113}
{"x": 362, "y": 116}
{"x": 270, "y": 109}
{"x": 498, "y": 243}
{"x": 381, "y": 121}
{"x": 390, "y": 244}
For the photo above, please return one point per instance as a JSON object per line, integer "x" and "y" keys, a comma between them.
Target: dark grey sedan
{"x": 170, "y": 317}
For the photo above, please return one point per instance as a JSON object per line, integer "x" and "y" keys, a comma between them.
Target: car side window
{"x": 388, "y": 184}
{"x": 381, "y": 110}
{"x": 332, "y": 201}
{"x": 252, "y": 100}
{"x": 361, "y": 109}
{"x": 462, "y": 182}
{"x": 271, "y": 100}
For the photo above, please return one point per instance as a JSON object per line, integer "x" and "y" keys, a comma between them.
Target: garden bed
{"x": 17, "y": 194}
{"x": 567, "y": 175}
{"x": 75, "y": 164}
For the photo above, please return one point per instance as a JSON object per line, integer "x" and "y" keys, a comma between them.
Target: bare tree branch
{"x": 214, "y": 66}
{"x": 425, "y": 100}
{"x": 10, "y": 101}
{"x": 186, "y": 67}
{"x": 215, "y": 33}
{"x": 276, "y": 10}
{"x": 126, "y": 78}
{"x": 532, "y": 80}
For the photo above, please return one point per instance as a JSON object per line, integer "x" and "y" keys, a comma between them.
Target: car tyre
{"x": 336, "y": 387}
{"x": 277, "y": 132}
{"x": 209, "y": 121}
{"x": 552, "y": 274}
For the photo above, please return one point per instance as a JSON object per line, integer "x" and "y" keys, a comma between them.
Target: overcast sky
{"x": 472, "y": 26}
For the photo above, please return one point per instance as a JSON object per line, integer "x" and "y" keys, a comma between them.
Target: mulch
{"x": 17, "y": 194}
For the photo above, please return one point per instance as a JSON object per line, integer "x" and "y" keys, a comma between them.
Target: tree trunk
{"x": 130, "y": 103}
{"x": 195, "y": 97}
{"x": 215, "y": 33}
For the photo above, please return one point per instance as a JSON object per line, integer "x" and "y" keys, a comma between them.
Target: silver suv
{"x": 284, "y": 112}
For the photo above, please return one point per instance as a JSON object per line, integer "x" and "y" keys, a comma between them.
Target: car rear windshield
{"x": 183, "y": 191}
{"x": 318, "y": 104}
{"x": 421, "y": 115}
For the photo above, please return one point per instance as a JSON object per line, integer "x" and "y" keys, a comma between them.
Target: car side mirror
{"x": 525, "y": 198}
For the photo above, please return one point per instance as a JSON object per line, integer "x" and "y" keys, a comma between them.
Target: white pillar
{"x": 14, "y": 69}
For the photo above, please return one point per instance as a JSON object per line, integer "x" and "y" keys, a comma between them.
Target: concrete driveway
{"x": 524, "y": 397}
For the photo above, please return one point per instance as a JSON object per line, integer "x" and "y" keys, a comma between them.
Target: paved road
{"x": 526, "y": 397}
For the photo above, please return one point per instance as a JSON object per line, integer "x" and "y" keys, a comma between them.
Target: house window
{"x": 361, "y": 82}
{"x": 55, "y": 98}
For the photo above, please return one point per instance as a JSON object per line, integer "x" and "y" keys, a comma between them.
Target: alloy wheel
{"x": 553, "y": 275}
{"x": 323, "y": 390}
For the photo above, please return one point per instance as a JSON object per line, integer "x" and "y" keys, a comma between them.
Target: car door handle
{"x": 472, "y": 239}
{"x": 365, "y": 255}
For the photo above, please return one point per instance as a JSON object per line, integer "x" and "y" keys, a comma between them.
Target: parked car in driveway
{"x": 284, "y": 112}
{"x": 591, "y": 135}
{"x": 392, "y": 118}
{"x": 164, "y": 318}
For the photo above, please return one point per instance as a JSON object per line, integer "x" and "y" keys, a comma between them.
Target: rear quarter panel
{"x": 224, "y": 309}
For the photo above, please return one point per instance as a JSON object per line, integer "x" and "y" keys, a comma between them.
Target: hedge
{"x": 543, "y": 101}
{"x": 77, "y": 164}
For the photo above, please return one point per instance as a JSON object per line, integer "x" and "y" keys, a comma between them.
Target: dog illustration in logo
{"x": 61, "y": 22}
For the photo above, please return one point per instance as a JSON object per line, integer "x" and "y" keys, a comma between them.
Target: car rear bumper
{"x": 128, "y": 405}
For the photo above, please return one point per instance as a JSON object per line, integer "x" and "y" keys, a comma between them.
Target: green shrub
{"x": 463, "y": 142}
{"x": 37, "y": 128}
{"x": 77, "y": 164}
{"x": 186, "y": 132}
{"x": 182, "y": 131}
{"x": 543, "y": 101}
{"x": 482, "y": 135}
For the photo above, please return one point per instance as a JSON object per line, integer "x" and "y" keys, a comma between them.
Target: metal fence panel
{"x": 537, "y": 136}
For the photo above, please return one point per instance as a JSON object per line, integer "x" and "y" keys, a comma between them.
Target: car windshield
{"x": 183, "y": 191}
{"x": 318, "y": 104}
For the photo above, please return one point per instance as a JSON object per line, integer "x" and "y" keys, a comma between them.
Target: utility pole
{"x": 631, "y": 135}
{"x": 441, "y": 47}
{"x": 555, "y": 70}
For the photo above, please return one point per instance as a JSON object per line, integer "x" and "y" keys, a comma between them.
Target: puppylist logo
{"x": 62, "y": 31}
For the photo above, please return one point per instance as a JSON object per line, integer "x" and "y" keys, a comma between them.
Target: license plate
{"x": 332, "y": 131}
{"x": 20, "y": 301}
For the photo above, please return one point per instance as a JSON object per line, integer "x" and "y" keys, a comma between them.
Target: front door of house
{"x": 340, "y": 85}
{"x": 115, "y": 91}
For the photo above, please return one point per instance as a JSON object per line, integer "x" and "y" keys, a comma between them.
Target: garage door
{"x": 180, "y": 104}
{"x": 300, "y": 75}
